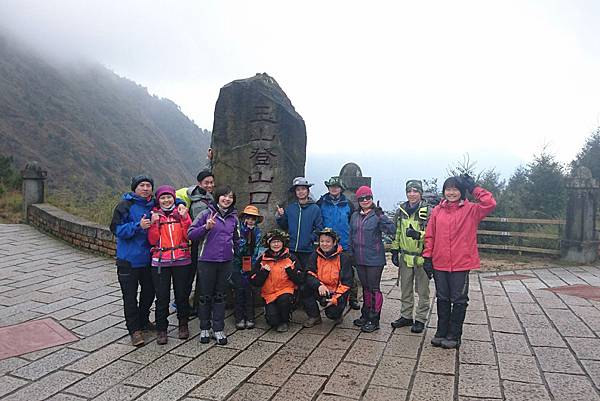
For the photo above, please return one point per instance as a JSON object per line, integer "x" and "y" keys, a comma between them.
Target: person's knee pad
{"x": 219, "y": 297}
{"x": 204, "y": 299}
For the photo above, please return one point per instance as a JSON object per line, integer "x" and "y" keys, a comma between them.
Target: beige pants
{"x": 414, "y": 279}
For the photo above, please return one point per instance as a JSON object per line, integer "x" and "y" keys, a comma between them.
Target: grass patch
{"x": 11, "y": 207}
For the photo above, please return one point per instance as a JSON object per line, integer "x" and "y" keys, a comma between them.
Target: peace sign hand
{"x": 210, "y": 222}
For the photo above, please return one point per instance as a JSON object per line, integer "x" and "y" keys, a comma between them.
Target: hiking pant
{"x": 162, "y": 278}
{"x": 302, "y": 259}
{"x": 213, "y": 280}
{"x": 310, "y": 298}
{"x": 194, "y": 269}
{"x": 278, "y": 311}
{"x": 411, "y": 279}
{"x": 136, "y": 315}
{"x": 354, "y": 288}
{"x": 244, "y": 296}
{"x": 370, "y": 278}
{"x": 452, "y": 290}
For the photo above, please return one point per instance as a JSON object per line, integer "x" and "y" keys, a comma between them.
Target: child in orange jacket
{"x": 275, "y": 271}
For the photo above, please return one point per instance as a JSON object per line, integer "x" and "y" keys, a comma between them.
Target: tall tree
{"x": 589, "y": 156}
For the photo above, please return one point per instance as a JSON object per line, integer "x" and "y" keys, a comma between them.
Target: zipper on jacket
{"x": 298, "y": 233}
{"x": 171, "y": 237}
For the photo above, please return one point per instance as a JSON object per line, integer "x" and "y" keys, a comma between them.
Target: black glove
{"x": 395, "y": 259}
{"x": 378, "y": 210}
{"x": 295, "y": 275}
{"x": 428, "y": 267}
{"x": 412, "y": 233}
{"x": 468, "y": 182}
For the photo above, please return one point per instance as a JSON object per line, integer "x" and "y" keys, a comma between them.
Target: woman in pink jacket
{"x": 451, "y": 252}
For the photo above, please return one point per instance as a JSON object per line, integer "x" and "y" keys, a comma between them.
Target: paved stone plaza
{"x": 521, "y": 342}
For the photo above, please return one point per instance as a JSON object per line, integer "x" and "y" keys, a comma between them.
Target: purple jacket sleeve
{"x": 198, "y": 229}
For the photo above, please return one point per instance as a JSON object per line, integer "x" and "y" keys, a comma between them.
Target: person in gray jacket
{"x": 367, "y": 226}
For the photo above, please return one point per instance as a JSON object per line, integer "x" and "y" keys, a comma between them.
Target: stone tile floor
{"x": 521, "y": 342}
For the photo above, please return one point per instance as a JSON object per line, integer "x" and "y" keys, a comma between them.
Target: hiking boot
{"x": 137, "y": 338}
{"x": 402, "y": 322}
{"x": 361, "y": 321}
{"x": 282, "y": 328}
{"x": 448, "y": 343}
{"x": 220, "y": 337}
{"x": 437, "y": 341}
{"x": 312, "y": 321}
{"x": 161, "y": 337}
{"x": 250, "y": 324}
{"x": 240, "y": 324}
{"x": 353, "y": 304}
{"x": 204, "y": 336}
{"x": 417, "y": 327}
{"x": 184, "y": 331}
{"x": 339, "y": 320}
{"x": 370, "y": 326}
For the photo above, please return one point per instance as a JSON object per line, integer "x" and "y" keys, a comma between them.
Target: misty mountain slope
{"x": 90, "y": 128}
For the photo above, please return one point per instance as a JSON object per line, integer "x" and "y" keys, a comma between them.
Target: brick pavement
{"x": 521, "y": 342}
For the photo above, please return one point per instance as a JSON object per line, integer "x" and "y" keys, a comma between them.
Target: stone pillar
{"x": 33, "y": 185}
{"x": 351, "y": 176}
{"x": 579, "y": 243}
{"x": 259, "y": 143}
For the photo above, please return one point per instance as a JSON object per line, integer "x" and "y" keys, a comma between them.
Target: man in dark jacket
{"x": 336, "y": 212}
{"x": 302, "y": 219}
{"x": 130, "y": 224}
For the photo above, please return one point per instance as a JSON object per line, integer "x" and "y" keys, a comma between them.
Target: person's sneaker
{"x": 250, "y": 324}
{"x": 360, "y": 322}
{"x": 402, "y": 322}
{"x": 353, "y": 304}
{"x": 240, "y": 324}
{"x": 137, "y": 338}
{"x": 370, "y": 327}
{"x": 312, "y": 321}
{"x": 184, "y": 331}
{"x": 220, "y": 337}
{"x": 161, "y": 337}
{"x": 450, "y": 343}
{"x": 204, "y": 336}
{"x": 282, "y": 328}
{"x": 417, "y": 327}
{"x": 437, "y": 341}
{"x": 150, "y": 326}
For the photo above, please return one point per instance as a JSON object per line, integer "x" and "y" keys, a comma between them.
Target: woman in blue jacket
{"x": 367, "y": 225}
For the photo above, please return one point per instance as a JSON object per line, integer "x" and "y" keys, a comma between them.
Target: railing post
{"x": 579, "y": 243}
{"x": 33, "y": 185}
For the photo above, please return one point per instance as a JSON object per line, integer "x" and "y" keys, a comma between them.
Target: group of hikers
{"x": 168, "y": 239}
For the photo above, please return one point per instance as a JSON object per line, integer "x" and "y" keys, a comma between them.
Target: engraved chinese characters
{"x": 259, "y": 143}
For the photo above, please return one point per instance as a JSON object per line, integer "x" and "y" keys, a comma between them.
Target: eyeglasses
{"x": 365, "y": 198}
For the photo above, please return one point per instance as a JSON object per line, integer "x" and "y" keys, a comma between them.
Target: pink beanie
{"x": 364, "y": 191}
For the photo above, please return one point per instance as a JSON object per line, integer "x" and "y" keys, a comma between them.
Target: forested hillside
{"x": 89, "y": 127}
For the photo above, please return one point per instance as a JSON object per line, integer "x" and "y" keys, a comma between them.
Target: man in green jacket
{"x": 406, "y": 250}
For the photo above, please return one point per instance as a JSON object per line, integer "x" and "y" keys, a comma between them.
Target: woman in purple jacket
{"x": 217, "y": 230}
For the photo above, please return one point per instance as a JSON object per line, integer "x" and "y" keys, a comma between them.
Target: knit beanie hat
{"x": 363, "y": 191}
{"x": 416, "y": 185}
{"x": 203, "y": 174}
{"x": 165, "y": 189}
{"x": 135, "y": 181}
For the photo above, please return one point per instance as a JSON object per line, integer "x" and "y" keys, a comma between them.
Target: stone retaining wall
{"x": 74, "y": 230}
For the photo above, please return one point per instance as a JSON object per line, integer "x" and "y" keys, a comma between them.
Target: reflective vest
{"x": 410, "y": 248}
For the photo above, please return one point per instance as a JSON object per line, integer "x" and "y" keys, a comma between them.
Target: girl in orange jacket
{"x": 275, "y": 271}
{"x": 451, "y": 252}
{"x": 171, "y": 261}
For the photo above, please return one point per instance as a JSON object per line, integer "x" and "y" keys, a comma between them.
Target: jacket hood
{"x": 445, "y": 204}
{"x": 214, "y": 209}
{"x": 338, "y": 251}
{"x": 133, "y": 197}
{"x": 196, "y": 193}
{"x": 327, "y": 199}
{"x": 268, "y": 255}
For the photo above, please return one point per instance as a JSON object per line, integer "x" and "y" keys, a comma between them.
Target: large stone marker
{"x": 580, "y": 244}
{"x": 351, "y": 176}
{"x": 34, "y": 177}
{"x": 259, "y": 143}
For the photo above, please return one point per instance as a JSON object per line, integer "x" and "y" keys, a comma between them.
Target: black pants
{"x": 244, "y": 295}
{"x": 194, "y": 269}
{"x": 334, "y": 312}
{"x": 136, "y": 315}
{"x": 213, "y": 280}
{"x": 162, "y": 278}
{"x": 278, "y": 311}
{"x": 452, "y": 289}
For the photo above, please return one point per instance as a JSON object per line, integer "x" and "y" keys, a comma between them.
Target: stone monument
{"x": 351, "y": 176}
{"x": 259, "y": 143}
{"x": 34, "y": 178}
{"x": 579, "y": 243}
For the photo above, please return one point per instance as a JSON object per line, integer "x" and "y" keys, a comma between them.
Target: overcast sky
{"x": 420, "y": 82}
